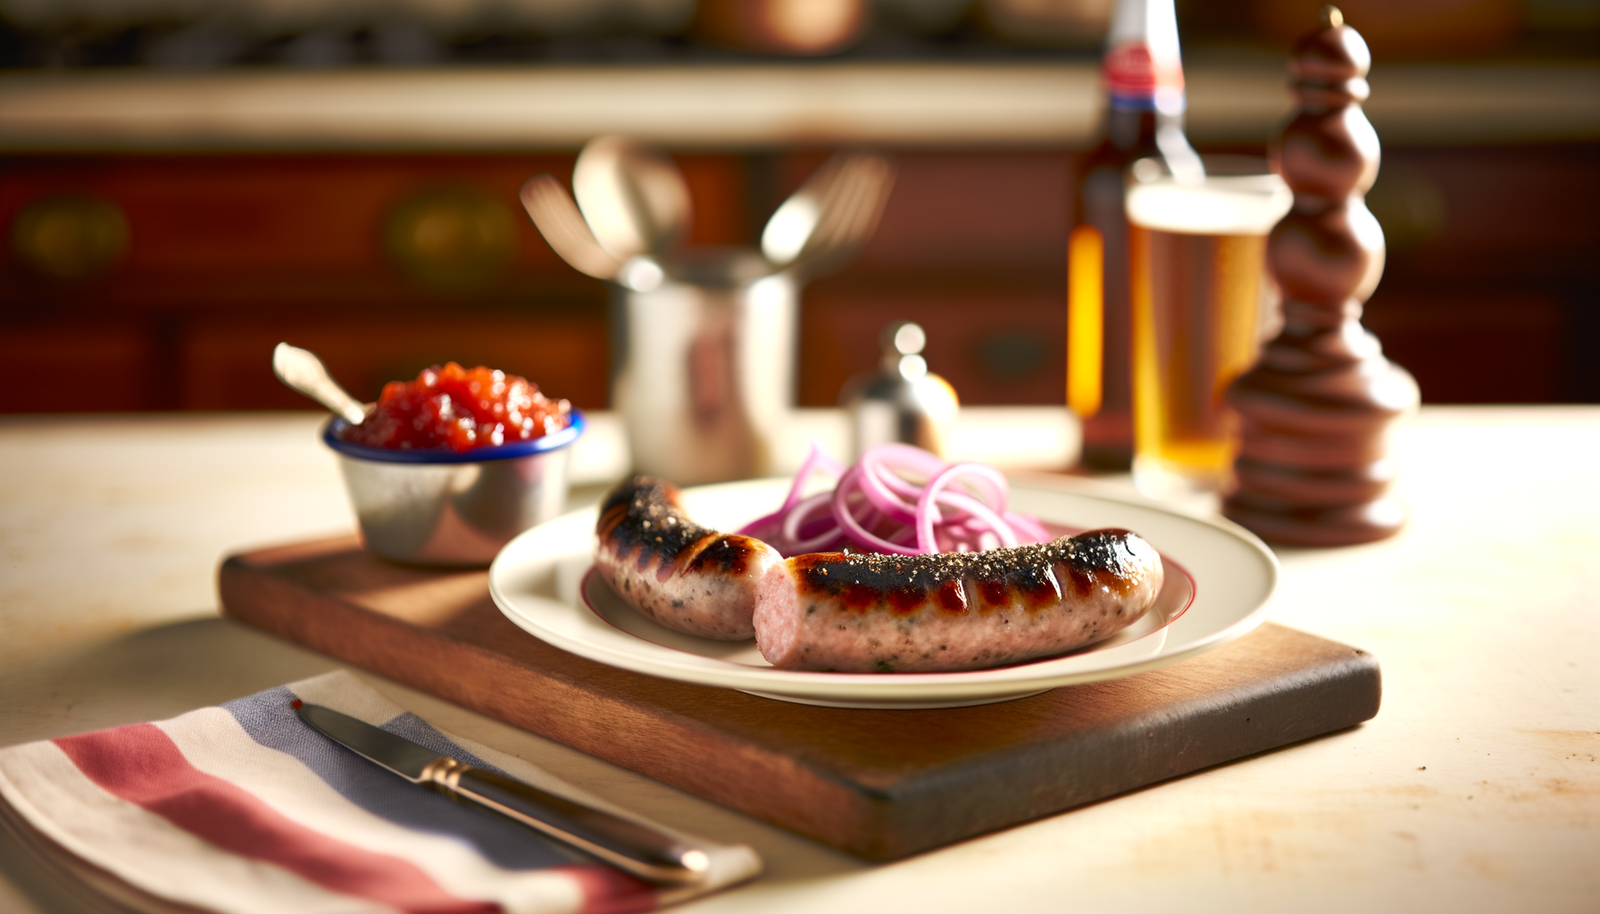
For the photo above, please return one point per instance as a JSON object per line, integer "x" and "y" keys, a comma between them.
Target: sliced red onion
{"x": 927, "y": 511}
{"x": 792, "y": 525}
{"x": 858, "y": 534}
{"x": 817, "y": 459}
{"x": 897, "y": 499}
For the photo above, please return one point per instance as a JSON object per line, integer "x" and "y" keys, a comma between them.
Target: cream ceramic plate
{"x": 1219, "y": 581}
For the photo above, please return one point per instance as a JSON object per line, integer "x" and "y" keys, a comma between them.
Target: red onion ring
{"x": 898, "y": 500}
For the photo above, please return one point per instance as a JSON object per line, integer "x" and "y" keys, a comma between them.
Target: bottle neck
{"x": 1142, "y": 67}
{"x": 1142, "y": 61}
{"x": 1130, "y": 127}
{"x": 1139, "y": 132}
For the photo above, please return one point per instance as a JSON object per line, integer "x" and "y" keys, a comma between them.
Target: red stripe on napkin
{"x": 609, "y": 891}
{"x": 140, "y": 764}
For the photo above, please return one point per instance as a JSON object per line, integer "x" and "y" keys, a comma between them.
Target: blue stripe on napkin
{"x": 271, "y": 721}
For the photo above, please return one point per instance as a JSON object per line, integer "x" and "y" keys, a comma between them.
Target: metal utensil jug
{"x": 703, "y": 366}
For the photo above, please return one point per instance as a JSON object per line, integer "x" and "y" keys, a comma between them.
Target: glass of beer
{"x": 1201, "y": 306}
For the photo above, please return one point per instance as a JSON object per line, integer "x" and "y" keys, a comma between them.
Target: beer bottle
{"x": 1143, "y": 77}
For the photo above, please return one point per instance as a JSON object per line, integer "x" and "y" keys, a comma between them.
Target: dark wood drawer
{"x": 385, "y": 263}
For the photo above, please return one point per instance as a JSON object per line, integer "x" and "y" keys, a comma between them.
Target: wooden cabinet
{"x": 162, "y": 280}
{"x": 1491, "y": 292}
{"x": 382, "y": 263}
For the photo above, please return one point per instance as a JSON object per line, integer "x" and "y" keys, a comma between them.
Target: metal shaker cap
{"x": 901, "y": 401}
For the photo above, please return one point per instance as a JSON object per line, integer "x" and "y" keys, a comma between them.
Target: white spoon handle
{"x": 303, "y": 371}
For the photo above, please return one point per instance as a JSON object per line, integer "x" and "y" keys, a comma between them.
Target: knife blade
{"x": 638, "y": 849}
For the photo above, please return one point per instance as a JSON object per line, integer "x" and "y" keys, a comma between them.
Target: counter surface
{"x": 1476, "y": 788}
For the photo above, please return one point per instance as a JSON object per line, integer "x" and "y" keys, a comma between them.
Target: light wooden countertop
{"x": 1476, "y": 788}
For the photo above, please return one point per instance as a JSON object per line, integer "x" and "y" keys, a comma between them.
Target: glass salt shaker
{"x": 900, "y": 401}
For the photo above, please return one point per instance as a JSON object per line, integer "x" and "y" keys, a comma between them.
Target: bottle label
{"x": 1134, "y": 79}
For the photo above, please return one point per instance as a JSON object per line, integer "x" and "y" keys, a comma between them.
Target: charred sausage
{"x": 865, "y": 612}
{"x": 685, "y": 576}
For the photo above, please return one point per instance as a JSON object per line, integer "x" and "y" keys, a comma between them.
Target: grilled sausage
{"x": 864, "y": 613}
{"x": 685, "y": 576}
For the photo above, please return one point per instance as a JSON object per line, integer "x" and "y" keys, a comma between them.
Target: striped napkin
{"x": 245, "y": 808}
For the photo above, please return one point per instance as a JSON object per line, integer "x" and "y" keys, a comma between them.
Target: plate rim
{"x": 915, "y": 689}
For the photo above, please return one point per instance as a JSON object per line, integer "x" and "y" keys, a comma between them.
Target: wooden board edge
{"x": 1333, "y": 696}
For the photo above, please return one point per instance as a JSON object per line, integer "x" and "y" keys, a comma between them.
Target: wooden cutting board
{"x": 878, "y": 784}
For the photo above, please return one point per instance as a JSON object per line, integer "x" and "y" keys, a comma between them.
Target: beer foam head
{"x": 1217, "y": 205}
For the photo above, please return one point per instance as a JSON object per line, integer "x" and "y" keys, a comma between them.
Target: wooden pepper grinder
{"x": 1313, "y": 466}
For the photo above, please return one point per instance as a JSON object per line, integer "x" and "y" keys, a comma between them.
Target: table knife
{"x": 638, "y": 849}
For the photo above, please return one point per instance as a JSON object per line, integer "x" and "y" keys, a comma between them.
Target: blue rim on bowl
{"x": 333, "y": 431}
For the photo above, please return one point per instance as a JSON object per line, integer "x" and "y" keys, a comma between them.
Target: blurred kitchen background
{"x": 184, "y": 183}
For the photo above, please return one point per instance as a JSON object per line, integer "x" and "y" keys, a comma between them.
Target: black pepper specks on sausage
{"x": 641, "y": 517}
{"x": 685, "y": 576}
{"x": 953, "y": 611}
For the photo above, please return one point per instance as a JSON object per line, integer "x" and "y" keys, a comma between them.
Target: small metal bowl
{"x": 445, "y": 508}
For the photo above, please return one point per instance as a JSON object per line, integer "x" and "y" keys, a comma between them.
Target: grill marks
{"x": 687, "y": 577}
{"x": 643, "y": 514}
{"x": 730, "y": 554}
{"x": 1035, "y": 577}
{"x": 962, "y": 611}
{"x": 953, "y": 598}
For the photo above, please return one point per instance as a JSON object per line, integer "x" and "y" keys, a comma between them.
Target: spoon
{"x": 558, "y": 219}
{"x": 634, "y": 199}
{"x": 833, "y": 213}
{"x": 303, "y": 371}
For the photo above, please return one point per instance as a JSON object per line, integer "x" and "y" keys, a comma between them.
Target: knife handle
{"x": 629, "y": 846}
